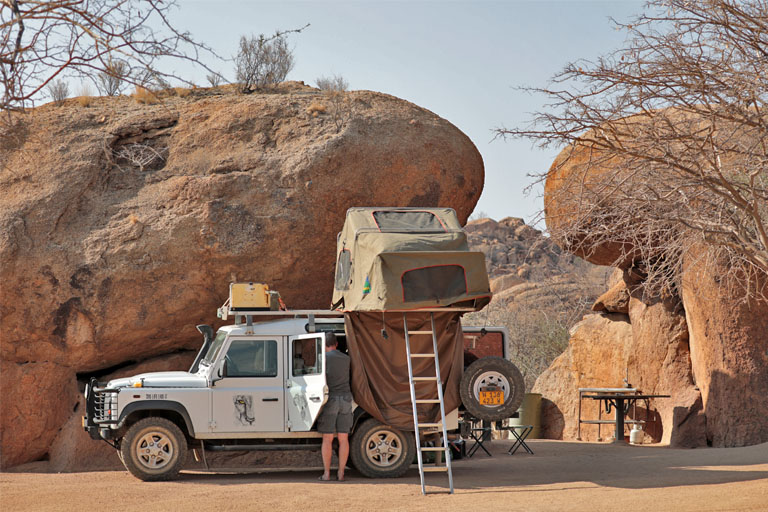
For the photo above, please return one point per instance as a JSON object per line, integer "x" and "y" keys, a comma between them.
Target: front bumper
{"x": 100, "y": 410}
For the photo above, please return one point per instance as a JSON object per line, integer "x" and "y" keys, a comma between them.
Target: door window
{"x": 252, "y": 358}
{"x": 307, "y": 356}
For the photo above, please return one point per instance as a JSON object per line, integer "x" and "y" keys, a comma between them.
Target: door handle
{"x": 269, "y": 399}
{"x": 315, "y": 398}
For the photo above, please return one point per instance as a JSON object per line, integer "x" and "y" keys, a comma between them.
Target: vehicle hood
{"x": 161, "y": 380}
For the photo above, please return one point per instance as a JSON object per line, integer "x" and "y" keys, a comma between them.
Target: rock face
{"x": 648, "y": 347}
{"x": 701, "y": 344}
{"x": 122, "y": 224}
{"x": 573, "y": 176}
{"x": 729, "y": 355}
{"x": 598, "y": 346}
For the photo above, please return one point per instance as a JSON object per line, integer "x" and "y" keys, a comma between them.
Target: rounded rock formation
{"x": 702, "y": 343}
{"x": 122, "y": 223}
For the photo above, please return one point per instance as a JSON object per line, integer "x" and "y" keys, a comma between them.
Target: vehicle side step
{"x": 260, "y": 447}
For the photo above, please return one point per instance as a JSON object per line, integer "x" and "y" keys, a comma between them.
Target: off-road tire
{"x": 154, "y": 449}
{"x": 492, "y": 371}
{"x": 396, "y": 450}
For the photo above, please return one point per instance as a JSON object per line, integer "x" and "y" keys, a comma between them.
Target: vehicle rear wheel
{"x": 381, "y": 451}
{"x": 497, "y": 374}
{"x": 154, "y": 449}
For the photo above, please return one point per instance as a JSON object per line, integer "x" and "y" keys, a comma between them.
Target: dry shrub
{"x": 263, "y": 61}
{"x": 316, "y": 108}
{"x": 85, "y": 96}
{"x": 181, "y": 92}
{"x": 58, "y": 90}
{"x": 214, "y": 79}
{"x": 144, "y": 96}
{"x": 112, "y": 79}
{"x": 333, "y": 83}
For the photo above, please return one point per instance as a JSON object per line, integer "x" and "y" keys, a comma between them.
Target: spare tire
{"x": 492, "y": 373}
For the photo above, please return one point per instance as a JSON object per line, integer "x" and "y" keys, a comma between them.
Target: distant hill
{"x": 539, "y": 290}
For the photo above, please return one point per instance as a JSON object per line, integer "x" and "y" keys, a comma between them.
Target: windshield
{"x": 213, "y": 350}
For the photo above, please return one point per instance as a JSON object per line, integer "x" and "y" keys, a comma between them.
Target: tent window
{"x": 434, "y": 283}
{"x": 408, "y": 220}
{"x": 343, "y": 268}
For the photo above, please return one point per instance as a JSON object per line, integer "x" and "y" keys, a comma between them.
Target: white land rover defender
{"x": 404, "y": 277}
{"x": 261, "y": 387}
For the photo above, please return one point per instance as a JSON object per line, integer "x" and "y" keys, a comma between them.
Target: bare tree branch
{"x": 42, "y": 39}
{"x": 667, "y": 142}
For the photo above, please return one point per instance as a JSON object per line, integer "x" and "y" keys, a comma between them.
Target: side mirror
{"x": 221, "y": 369}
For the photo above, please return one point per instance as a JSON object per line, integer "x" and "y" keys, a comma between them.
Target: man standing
{"x": 336, "y": 416}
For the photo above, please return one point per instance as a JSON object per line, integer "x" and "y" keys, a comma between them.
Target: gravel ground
{"x": 559, "y": 476}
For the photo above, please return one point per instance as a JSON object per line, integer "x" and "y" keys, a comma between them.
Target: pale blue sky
{"x": 459, "y": 59}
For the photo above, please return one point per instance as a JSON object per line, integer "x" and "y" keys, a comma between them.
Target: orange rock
{"x": 615, "y": 300}
{"x": 116, "y": 238}
{"x": 729, "y": 355}
{"x": 652, "y": 350}
{"x": 505, "y": 282}
{"x": 74, "y": 450}
{"x": 37, "y": 399}
{"x": 594, "y": 358}
{"x": 581, "y": 175}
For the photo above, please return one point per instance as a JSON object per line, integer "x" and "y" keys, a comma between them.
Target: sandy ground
{"x": 559, "y": 476}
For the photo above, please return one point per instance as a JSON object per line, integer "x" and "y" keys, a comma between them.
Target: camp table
{"x": 621, "y": 401}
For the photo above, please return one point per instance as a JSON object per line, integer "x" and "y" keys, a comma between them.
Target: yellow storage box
{"x": 249, "y": 297}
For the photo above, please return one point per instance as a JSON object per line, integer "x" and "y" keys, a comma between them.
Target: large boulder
{"x": 582, "y": 176}
{"x": 648, "y": 348}
{"x": 702, "y": 342}
{"x": 595, "y": 357}
{"x": 729, "y": 354}
{"x": 658, "y": 362}
{"x": 122, "y": 223}
{"x": 37, "y": 399}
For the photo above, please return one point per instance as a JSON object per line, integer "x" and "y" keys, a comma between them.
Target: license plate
{"x": 491, "y": 397}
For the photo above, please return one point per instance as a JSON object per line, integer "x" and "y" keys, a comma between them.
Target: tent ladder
{"x": 445, "y": 448}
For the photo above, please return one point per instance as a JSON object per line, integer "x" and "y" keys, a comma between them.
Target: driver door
{"x": 250, "y": 397}
{"x": 306, "y": 391}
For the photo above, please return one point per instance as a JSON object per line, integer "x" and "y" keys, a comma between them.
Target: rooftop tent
{"x": 407, "y": 258}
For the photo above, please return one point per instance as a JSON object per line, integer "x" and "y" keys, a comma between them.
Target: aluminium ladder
{"x": 439, "y": 400}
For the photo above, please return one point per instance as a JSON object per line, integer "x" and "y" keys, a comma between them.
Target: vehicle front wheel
{"x": 154, "y": 449}
{"x": 381, "y": 451}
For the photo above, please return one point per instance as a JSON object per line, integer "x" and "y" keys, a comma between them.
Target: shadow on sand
{"x": 554, "y": 462}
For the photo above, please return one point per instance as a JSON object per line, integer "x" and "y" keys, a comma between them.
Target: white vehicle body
{"x": 259, "y": 386}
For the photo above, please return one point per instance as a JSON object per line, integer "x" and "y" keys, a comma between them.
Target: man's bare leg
{"x": 343, "y": 454}
{"x": 327, "y": 451}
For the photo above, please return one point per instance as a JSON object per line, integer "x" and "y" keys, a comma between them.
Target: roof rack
{"x": 226, "y": 311}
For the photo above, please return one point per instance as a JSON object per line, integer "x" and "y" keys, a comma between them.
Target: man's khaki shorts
{"x": 336, "y": 416}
